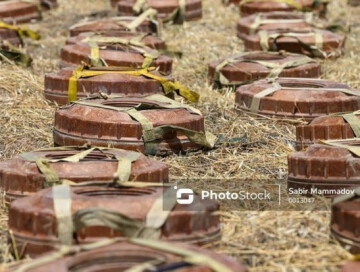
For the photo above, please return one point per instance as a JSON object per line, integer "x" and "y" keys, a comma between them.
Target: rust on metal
{"x": 91, "y": 123}
{"x": 114, "y": 55}
{"x": 122, "y": 255}
{"x": 193, "y": 8}
{"x": 147, "y": 39}
{"x": 253, "y": 7}
{"x": 18, "y": 12}
{"x": 33, "y": 220}
{"x": 301, "y": 98}
{"x": 21, "y": 176}
{"x": 248, "y": 67}
{"x": 345, "y": 223}
{"x": 114, "y": 24}
{"x": 333, "y": 127}
{"x": 57, "y": 85}
{"x": 276, "y": 20}
{"x": 323, "y": 170}
{"x": 311, "y": 42}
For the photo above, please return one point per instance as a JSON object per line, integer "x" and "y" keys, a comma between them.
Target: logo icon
{"x": 184, "y": 196}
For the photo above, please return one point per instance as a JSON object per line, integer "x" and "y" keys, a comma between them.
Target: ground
{"x": 263, "y": 241}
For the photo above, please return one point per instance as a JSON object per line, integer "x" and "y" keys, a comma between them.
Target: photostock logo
{"x": 188, "y": 193}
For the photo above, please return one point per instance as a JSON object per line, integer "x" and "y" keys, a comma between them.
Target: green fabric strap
{"x": 354, "y": 123}
{"x": 255, "y": 103}
{"x": 179, "y": 14}
{"x": 344, "y": 143}
{"x": 135, "y": 43}
{"x": 149, "y": 14}
{"x": 315, "y": 50}
{"x": 219, "y": 77}
{"x": 189, "y": 256}
{"x": 169, "y": 104}
{"x": 62, "y": 208}
{"x": 128, "y": 227}
{"x": 48, "y": 171}
{"x": 151, "y": 134}
{"x": 347, "y": 197}
{"x": 121, "y": 175}
{"x": 258, "y": 21}
{"x": 140, "y": 6}
{"x": 275, "y": 68}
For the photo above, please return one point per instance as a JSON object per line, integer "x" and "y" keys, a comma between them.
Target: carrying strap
{"x": 135, "y": 43}
{"x": 149, "y": 14}
{"x": 275, "y": 68}
{"x": 307, "y": 17}
{"x": 315, "y": 50}
{"x": 21, "y": 31}
{"x": 344, "y": 143}
{"x": 178, "y": 15}
{"x": 347, "y": 197}
{"x": 259, "y": 20}
{"x": 275, "y": 86}
{"x": 353, "y": 121}
{"x": 188, "y": 256}
{"x": 129, "y": 22}
{"x": 121, "y": 175}
{"x": 140, "y": 6}
{"x": 69, "y": 223}
{"x": 151, "y": 133}
{"x": 168, "y": 86}
{"x": 63, "y": 213}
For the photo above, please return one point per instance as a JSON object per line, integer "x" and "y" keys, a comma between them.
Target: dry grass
{"x": 264, "y": 241}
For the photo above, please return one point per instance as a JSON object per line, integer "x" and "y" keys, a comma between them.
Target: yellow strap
{"x": 22, "y": 31}
{"x": 167, "y": 85}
